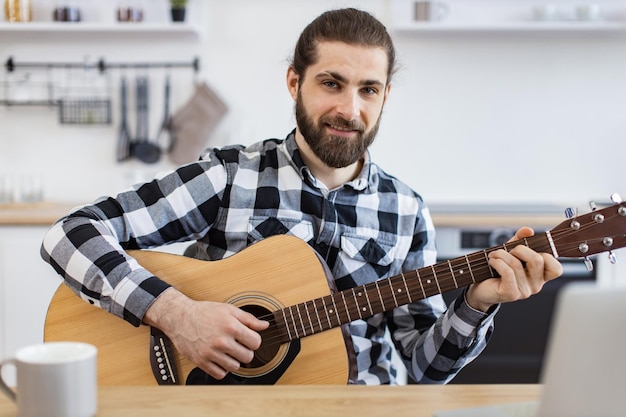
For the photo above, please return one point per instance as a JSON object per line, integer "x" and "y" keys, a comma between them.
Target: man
{"x": 318, "y": 184}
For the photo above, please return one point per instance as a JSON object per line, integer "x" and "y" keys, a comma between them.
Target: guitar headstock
{"x": 591, "y": 233}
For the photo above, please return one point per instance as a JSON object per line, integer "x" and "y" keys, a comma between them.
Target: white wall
{"x": 473, "y": 116}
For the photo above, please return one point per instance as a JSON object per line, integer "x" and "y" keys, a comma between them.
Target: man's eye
{"x": 331, "y": 84}
{"x": 370, "y": 90}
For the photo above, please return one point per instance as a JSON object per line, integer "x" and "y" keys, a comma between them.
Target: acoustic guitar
{"x": 282, "y": 280}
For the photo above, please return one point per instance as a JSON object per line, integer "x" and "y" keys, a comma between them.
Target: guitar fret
{"x": 335, "y": 310}
{"x": 421, "y": 283}
{"x": 287, "y": 325}
{"x": 295, "y": 329}
{"x": 461, "y": 273}
{"x": 330, "y": 325}
{"x": 456, "y": 285}
{"x": 408, "y": 292}
{"x": 385, "y": 288}
{"x": 365, "y": 307}
{"x": 356, "y": 301}
{"x": 400, "y": 295}
{"x": 487, "y": 259}
{"x": 308, "y": 315}
{"x": 352, "y": 303}
{"x": 317, "y": 313}
{"x": 469, "y": 266}
{"x": 380, "y": 297}
{"x": 435, "y": 278}
{"x": 393, "y": 294}
{"x": 301, "y": 321}
{"x": 346, "y": 305}
{"x": 367, "y": 298}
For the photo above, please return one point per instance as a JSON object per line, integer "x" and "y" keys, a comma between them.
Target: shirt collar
{"x": 363, "y": 182}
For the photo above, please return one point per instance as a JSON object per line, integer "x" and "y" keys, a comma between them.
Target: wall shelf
{"x": 179, "y": 30}
{"x": 503, "y": 27}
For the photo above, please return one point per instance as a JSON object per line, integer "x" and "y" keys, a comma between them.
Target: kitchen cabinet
{"x": 27, "y": 285}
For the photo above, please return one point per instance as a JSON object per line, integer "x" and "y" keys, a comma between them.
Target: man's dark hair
{"x": 349, "y": 25}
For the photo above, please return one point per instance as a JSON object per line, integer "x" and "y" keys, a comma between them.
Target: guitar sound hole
{"x": 269, "y": 348}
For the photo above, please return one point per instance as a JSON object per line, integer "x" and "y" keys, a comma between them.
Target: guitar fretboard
{"x": 362, "y": 302}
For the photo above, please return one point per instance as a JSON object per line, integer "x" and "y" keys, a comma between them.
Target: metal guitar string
{"x": 478, "y": 267}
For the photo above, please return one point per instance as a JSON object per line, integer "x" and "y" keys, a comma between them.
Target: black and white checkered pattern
{"x": 370, "y": 228}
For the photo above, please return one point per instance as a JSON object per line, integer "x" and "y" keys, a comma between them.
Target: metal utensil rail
{"x": 102, "y": 66}
{"x": 10, "y": 65}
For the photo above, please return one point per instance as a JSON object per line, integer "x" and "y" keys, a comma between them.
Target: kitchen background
{"x": 500, "y": 107}
{"x": 488, "y": 106}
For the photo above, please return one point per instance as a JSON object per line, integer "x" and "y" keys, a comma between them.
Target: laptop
{"x": 584, "y": 374}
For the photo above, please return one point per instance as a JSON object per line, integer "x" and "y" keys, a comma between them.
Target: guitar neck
{"x": 362, "y": 302}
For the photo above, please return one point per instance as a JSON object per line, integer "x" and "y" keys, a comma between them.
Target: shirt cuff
{"x": 467, "y": 320}
{"x": 478, "y": 313}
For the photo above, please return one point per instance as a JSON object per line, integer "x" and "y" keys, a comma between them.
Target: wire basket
{"x": 85, "y": 111}
{"x": 84, "y": 97}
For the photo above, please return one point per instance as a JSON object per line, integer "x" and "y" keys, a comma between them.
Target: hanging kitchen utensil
{"x": 123, "y": 136}
{"x": 142, "y": 148}
{"x": 165, "y": 124}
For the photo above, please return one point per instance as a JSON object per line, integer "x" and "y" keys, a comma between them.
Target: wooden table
{"x": 297, "y": 401}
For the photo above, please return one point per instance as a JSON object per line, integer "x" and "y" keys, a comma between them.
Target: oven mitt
{"x": 192, "y": 125}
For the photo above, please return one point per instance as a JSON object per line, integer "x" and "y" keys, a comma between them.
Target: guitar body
{"x": 273, "y": 274}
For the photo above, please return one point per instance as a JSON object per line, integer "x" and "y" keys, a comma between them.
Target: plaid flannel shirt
{"x": 370, "y": 228}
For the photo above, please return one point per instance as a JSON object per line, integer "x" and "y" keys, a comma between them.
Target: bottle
{"x": 18, "y": 11}
{"x": 66, "y": 11}
{"x": 129, "y": 11}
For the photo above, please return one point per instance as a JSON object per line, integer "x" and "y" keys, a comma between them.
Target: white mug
{"x": 546, "y": 12}
{"x": 588, "y": 12}
{"x": 55, "y": 379}
{"x": 430, "y": 10}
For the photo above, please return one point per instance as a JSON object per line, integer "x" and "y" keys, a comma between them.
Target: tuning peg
{"x": 616, "y": 198}
{"x": 612, "y": 257}
{"x": 588, "y": 263}
{"x": 593, "y": 206}
{"x": 570, "y": 212}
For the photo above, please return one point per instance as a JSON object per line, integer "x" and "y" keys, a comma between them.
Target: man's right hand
{"x": 217, "y": 337}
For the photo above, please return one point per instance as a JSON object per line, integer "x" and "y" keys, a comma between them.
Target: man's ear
{"x": 293, "y": 80}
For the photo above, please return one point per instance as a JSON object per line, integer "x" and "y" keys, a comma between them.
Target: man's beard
{"x": 334, "y": 151}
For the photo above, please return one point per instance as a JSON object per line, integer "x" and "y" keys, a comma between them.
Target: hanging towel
{"x": 192, "y": 125}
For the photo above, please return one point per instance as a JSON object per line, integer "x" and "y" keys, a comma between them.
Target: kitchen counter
{"x": 33, "y": 214}
{"x": 47, "y": 212}
{"x": 507, "y": 220}
{"x": 496, "y": 215}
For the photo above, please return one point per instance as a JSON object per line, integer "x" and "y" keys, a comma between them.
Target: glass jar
{"x": 129, "y": 11}
{"x": 18, "y": 11}
{"x": 66, "y": 11}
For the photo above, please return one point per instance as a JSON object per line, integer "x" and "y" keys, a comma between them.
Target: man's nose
{"x": 348, "y": 106}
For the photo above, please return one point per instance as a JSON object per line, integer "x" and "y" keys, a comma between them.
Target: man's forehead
{"x": 343, "y": 60}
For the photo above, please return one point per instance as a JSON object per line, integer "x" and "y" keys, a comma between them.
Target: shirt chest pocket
{"x": 365, "y": 259}
{"x": 261, "y": 227}
{"x": 368, "y": 249}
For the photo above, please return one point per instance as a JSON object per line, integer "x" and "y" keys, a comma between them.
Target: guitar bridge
{"x": 162, "y": 358}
